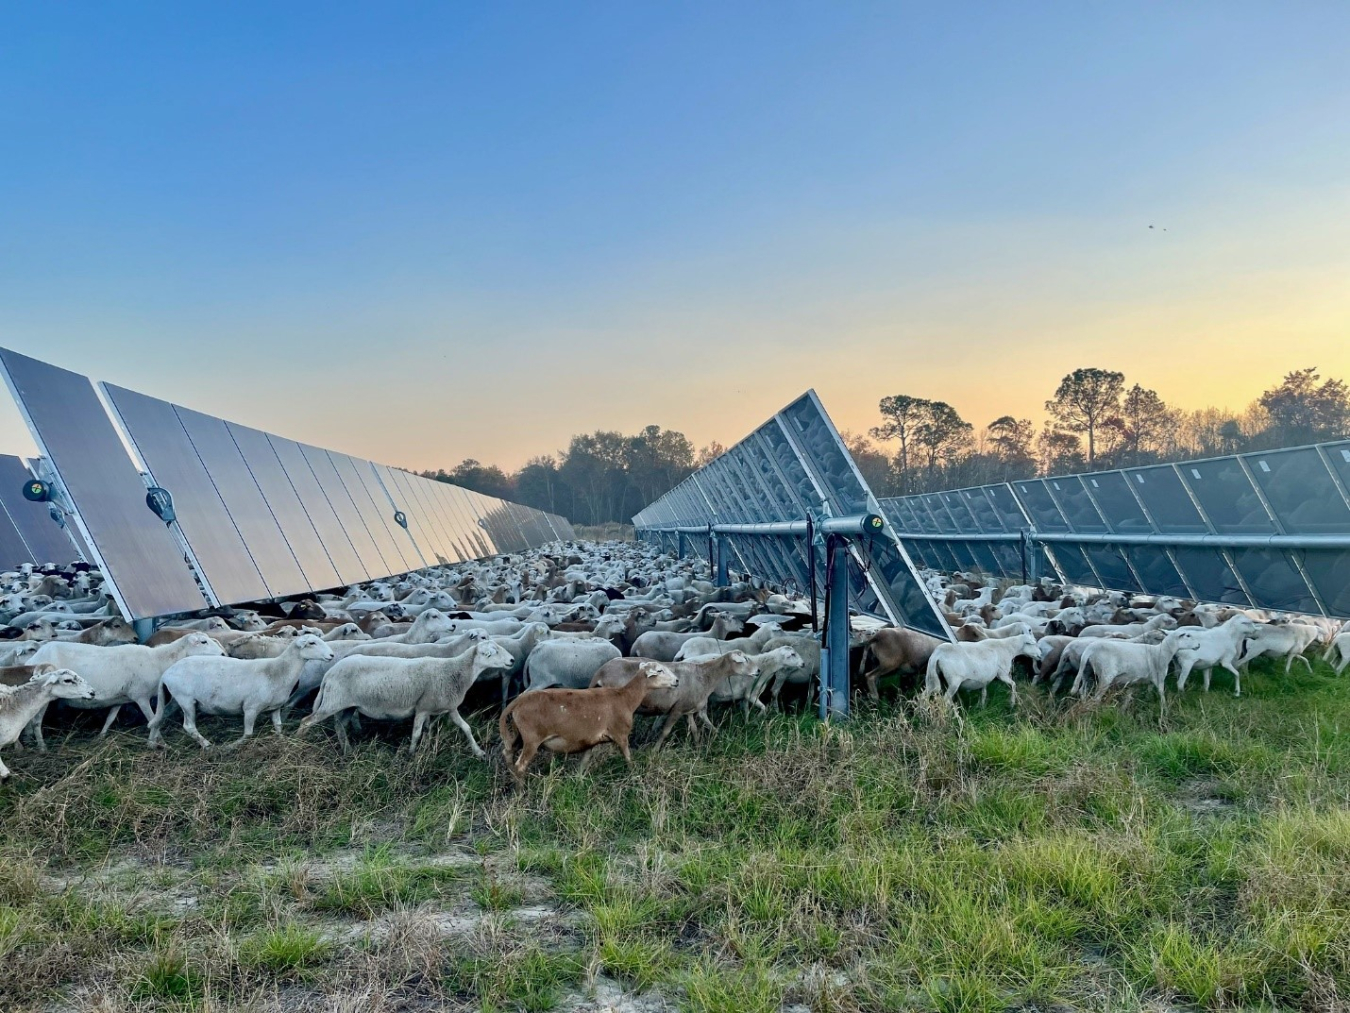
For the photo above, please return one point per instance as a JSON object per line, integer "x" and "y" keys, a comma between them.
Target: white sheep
{"x": 752, "y": 644}
{"x": 20, "y": 706}
{"x": 1221, "y": 645}
{"x": 567, "y": 663}
{"x": 741, "y": 687}
{"x": 391, "y": 689}
{"x": 1280, "y": 640}
{"x": 975, "y": 666}
{"x": 1122, "y": 662}
{"x": 234, "y": 686}
{"x": 1339, "y": 646}
{"x": 122, "y": 674}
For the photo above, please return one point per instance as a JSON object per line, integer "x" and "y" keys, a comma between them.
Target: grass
{"x": 1060, "y": 857}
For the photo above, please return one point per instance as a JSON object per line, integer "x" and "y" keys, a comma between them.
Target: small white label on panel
{"x": 1094, "y": 483}
{"x": 1140, "y": 478}
{"x": 1195, "y": 472}
{"x": 1346, "y": 454}
{"x": 1263, "y": 466}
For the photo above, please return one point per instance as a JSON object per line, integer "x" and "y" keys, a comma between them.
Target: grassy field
{"x": 1061, "y": 858}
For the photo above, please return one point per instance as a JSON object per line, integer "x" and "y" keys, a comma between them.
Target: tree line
{"x": 1093, "y": 421}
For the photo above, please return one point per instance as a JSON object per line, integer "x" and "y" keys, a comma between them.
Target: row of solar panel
{"x": 260, "y": 516}
{"x": 1299, "y": 491}
{"x": 792, "y": 467}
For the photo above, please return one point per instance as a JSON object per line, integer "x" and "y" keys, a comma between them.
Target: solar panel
{"x": 246, "y": 503}
{"x": 220, "y": 551}
{"x": 44, "y": 539}
{"x": 432, "y": 516}
{"x": 314, "y": 498}
{"x": 297, "y": 527}
{"x": 345, "y": 507}
{"x": 14, "y": 550}
{"x": 397, "y": 501}
{"x": 139, "y": 556}
{"x": 792, "y": 467}
{"x": 357, "y": 478}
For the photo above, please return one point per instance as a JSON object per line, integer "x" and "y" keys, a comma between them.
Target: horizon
{"x": 517, "y": 224}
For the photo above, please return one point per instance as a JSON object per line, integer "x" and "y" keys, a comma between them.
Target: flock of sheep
{"x": 592, "y": 634}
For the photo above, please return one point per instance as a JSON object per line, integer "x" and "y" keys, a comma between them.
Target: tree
{"x": 539, "y": 485}
{"x": 489, "y": 479}
{"x": 708, "y": 454}
{"x": 1060, "y": 452}
{"x": 1085, "y": 400}
{"x": 903, "y": 415}
{"x": 1305, "y": 411}
{"x": 874, "y": 465}
{"x": 1144, "y": 422}
{"x": 942, "y": 434}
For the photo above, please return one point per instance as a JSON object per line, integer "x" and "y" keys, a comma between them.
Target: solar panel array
{"x": 1298, "y": 496}
{"x": 259, "y": 516}
{"x": 793, "y": 467}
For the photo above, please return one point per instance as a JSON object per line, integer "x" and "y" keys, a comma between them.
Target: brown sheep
{"x": 577, "y": 720}
{"x": 896, "y": 650}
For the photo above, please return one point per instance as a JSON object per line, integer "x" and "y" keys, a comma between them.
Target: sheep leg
{"x": 250, "y": 719}
{"x": 984, "y": 695}
{"x": 669, "y": 724}
{"x": 1006, "y": 677}
{"x": 36, "y": 725}
{"x": 4, "y": 771}
{"x": 190, "y": 722}
{"x": 276, "y": 719}
{"x": 693, "y": 729}
{"x": 1183, "y": 674}
{"x": 146, "y": 709}
{"x": 419, "y": 723}
{"x": 340, "y": 728}
{"x": 1237, "y": 679}
{"x": 112, "y": 716}
{"x": 1304, "y": 659}
{"x": 463, "y": 726}
{"x": 527, "y": 752}
{"x": 703, "y": 716}
{"x": 1340, "y": 665}
{"x": 873, "y": 677}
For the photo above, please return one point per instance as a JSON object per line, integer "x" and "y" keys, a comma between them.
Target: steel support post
{"x": 723, "y": 578}
{"x": 834, "y": 681}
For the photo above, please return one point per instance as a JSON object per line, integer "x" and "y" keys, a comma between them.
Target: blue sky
{"x": 427, "y": 231}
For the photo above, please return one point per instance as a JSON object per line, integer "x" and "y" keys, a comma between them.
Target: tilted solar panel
{"x": 140, "y": 558}
{"x": 168, "y": 453}
{"x": 297, "y": 526}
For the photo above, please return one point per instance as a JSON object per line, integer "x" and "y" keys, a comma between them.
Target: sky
{"x": 420, "y": 232}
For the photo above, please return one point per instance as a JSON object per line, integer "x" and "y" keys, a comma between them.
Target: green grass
{"x": 1063, "y": 856}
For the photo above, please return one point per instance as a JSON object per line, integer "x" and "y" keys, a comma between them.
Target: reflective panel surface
{"x": 140, "y": 557}
{"x": 174, "y": 464}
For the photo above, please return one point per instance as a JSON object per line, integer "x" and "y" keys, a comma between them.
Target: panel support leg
{"x": 834, "y": 676}
{"x": 723, "y": 578}
{"x": 144, "y": 629}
